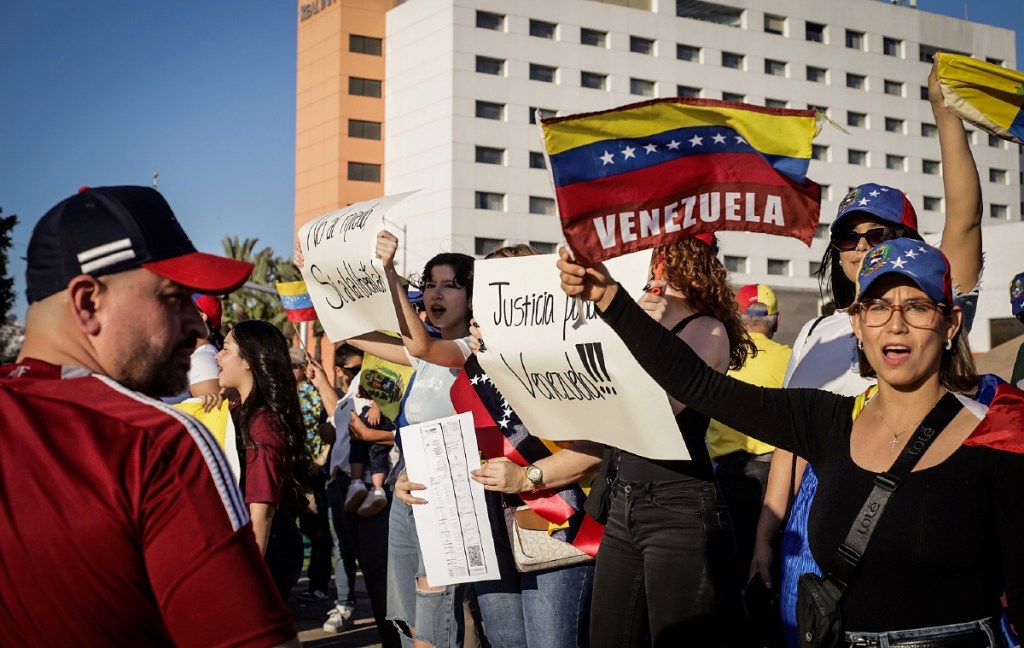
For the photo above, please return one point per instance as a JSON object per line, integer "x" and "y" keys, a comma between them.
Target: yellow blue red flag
{"x": 298, "y": 305}
{"x": 651, "y": 173}
{"x": 987, "y": 95}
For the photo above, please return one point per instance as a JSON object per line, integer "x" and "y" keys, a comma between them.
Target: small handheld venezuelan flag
{"x": 652, "y": 173}
{"x": 298, "y": 306}
{"x": 989, "y": 96}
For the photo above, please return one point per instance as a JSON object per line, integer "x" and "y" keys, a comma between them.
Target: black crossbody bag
{"x": 819, "y": 620}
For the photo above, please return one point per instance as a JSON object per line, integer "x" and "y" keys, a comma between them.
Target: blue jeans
{"x": 556, "y": 602}
{"x": 923, "y": 637}
{"x": 663, "y": 567}
{"x": 436, "y": 616}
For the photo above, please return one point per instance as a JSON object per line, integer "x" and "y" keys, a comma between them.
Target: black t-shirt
{"x": 950, "y": 540}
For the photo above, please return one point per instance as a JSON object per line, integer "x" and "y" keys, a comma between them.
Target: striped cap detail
{"x": 106, "y": 255}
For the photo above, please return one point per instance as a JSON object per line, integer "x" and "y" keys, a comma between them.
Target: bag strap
{"x": 851, "y": 550}
{"x": 681, "y": 324}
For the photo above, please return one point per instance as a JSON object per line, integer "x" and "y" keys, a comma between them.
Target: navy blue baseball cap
{"x": 104, "y": 230}
{"x": 1017, "y": 295}
{"x": 923, "y": 264}
{"x": 888, "y": 204}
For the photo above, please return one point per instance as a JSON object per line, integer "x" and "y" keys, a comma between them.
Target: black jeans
{"x": 663, "y": 566}
{"x": 284, "y": 552}
{"x": 317, "y": 527}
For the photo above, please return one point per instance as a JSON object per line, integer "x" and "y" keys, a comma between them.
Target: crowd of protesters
{"x": 787, "y": 449}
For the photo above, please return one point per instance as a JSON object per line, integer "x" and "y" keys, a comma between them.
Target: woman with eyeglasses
{"x": 825, "y": 355}
{"x": 948, "y": 541}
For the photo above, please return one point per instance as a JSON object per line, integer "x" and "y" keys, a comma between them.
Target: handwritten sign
{"x": 562, "y": 369}
{"x": 345, "y": 280}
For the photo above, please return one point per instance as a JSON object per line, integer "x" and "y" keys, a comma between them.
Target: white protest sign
{"x": 453, "y": 529}
{"x": 567, "y": 381}
{"x": 345, "y": 280}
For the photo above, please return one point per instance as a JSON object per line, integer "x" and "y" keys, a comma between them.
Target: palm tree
{"x": 250, "y": 303}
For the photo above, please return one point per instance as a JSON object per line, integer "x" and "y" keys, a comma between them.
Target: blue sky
{"x": 100, "y": 92}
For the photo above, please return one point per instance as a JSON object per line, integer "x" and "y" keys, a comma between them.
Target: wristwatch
{"x": 535, "y": 475}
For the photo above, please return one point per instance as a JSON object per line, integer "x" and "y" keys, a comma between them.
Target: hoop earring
{"x": 860, "y": 344}
{"x": 949, "y": 344}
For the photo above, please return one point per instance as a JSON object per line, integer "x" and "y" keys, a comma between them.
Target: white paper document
{"x": 452, "y": 527}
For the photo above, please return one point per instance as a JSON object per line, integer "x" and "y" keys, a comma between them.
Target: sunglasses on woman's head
{"x": 846, "y": 241}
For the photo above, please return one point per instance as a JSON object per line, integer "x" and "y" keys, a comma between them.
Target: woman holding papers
{"x": 665, "y": 558}
{"x": 824, "y": 354}
{"x": 272, "y": 442}
{"x": 945, "y": 545}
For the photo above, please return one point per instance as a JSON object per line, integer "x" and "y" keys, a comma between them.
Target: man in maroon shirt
{"x": 120, "y": 522}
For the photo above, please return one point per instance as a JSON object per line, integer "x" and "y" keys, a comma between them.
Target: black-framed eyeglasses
{"x": 846, "y": 241}
{"x": 918, "y": 313}
{"x": 350, "y": 371}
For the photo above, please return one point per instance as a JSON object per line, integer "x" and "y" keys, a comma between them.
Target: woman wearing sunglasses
{"x": 825, "y": 355}
{"x": 946, "y": 544}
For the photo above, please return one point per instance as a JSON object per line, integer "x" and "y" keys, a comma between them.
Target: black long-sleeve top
{"x": 952, "y": 537}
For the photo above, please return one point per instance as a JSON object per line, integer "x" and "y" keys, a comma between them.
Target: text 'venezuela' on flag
{"x": 298, "y": 305}
{"x": 651, "y": 173}
{"x": 987, "y": 95}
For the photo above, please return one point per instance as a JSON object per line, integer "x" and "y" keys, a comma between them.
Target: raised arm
{"x": 961, "y": 234}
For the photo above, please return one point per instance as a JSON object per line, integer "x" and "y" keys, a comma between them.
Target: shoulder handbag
{"x": 819, "y": 620}
{"x": 533, "y": 548}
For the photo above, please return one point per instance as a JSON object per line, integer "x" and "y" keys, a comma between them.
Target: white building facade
{"x": 464, "y": 77}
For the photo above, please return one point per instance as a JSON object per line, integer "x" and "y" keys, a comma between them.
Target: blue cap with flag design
{"x": 923, "y": 264}
{"x": 1017, "y": 295}
{"x": 885, "y": 203}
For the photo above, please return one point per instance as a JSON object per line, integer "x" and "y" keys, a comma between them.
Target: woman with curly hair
{"x": 271, "y": 441}
{"x": 665, "y": 559}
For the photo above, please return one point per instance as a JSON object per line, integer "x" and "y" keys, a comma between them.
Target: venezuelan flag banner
{"x": 298, "y": 305}
{"x": 385, "y": 382}
{"x": 987, "y": 95}
{"x": 651, "y": 173}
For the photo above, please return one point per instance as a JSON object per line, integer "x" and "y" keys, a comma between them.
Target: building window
{"x": 778, "y": 267}
{"x": 895, "y": 162}
{"x": 892, "y": 47}
{"x": 540, "y": 205}
{"x": 894, "y": 87}
{"x": 931, "y": 167}
{"x": 542, "y": 29}
{"x": 854, "y": 39}
{"x": 641, "y": 87}
{"x": 544, "y": 73}
{"x": 544, "y": 247}
{"x": 995, "y": 141}
{"x": 933, "y": 203}
{"x": 819, "y": 152}
{"x": 709, "y": 12}
{"x": 776, "y": 103}
{"x": 488, "y": 110}
{"x": 593, "y": 80}
{"x": 818, "y": 109}
{"x": 774, "y": 24}
{"x": 995, "y": 61}
{"x": 491, "y": 201}
{"x": 775, "y": 68}
{"x": 537, "y": 160}
{"x": 687, "y": 53}
{"x": 489, "y": 155}
{"x": 593, "y": 37}
{"x": 998, "y": 211}
{"x": 364, "y": 129}
{"x": 859, "y": 158}
{"x": 687, "y": 92}
{"x": 815, "y": 32}
{"x": 855, "y": 81}
{"x": 488, "y": 65}
{"x": 894, "y": 125}
{"x": 997, "y": 175}
{"x": 924, "y": 93}
{"x": 817, "y": 74}
{"x": 926, "y": 52}
{"x": 736, "y": 264}
{"x": 856, "y": 119}
{"x": 813, "y": 267}
{"x": 641, "y": 45}
{"x": 544, "y": 114}
{"x": 732, "y": 60}
{"x": 364, "y": 45}
{"x": 826, "y": 191}
{"x": 363, "y": 172}
{"x": 487, "y": 20}
{"x": 929, "y": 130}
{"x": 821, "y": 231}
{"x": 484, "y": 246}
{"x": 733, "y": 96}
{"x": 364, "y": 87}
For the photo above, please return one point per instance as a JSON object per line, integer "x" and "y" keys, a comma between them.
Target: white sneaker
{"x": 339, "y": 617}
{"x": 374, "y": 502}
{"x": 355, "y": 495}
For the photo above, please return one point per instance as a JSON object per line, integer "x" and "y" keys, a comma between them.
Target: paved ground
{"x": 309, "y": 617}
